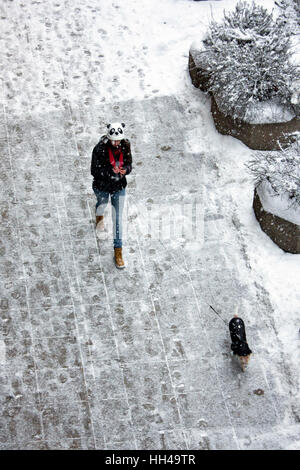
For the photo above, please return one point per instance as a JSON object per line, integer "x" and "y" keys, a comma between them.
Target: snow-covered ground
{"x": 94, "y": 358}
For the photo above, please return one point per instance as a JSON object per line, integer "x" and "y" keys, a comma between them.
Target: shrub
{"x": 247, "y": 58}
{"x": 281, "y": 169}
{"x": 291, "y": 12}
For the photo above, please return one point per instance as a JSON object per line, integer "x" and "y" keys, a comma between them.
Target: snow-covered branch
{"x": 281, "y": 169}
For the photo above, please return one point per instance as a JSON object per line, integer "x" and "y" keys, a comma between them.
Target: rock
{"x": 197, "y": 71}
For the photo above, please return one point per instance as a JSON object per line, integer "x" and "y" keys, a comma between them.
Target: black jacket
{"x": 239, "y": 344}
{"x": 101, "y": 169}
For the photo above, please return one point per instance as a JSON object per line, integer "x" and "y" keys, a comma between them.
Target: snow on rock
{"x": 279, "y": 205}
{"x": 268, "y": 112}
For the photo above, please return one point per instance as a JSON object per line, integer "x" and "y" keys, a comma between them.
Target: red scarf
{"x": 117, "y": 153}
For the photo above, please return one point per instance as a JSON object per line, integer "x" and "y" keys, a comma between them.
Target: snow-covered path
{"x": 91, "y": 357}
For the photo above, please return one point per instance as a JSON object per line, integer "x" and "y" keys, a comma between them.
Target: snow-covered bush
{"x": 281, "y": 170}
{"x": 247, "y": 59}
{"x": 291, "y": 11}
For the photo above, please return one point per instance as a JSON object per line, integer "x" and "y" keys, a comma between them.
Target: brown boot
{"x": 100, "y": 222}
{"x": 118, "y": 258}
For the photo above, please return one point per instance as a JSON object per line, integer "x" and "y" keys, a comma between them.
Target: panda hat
{"x": 115, "y": 131}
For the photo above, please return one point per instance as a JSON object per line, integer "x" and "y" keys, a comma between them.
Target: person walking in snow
{"x": 111, "y": 162}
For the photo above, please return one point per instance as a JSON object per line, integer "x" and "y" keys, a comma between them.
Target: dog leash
{"x": 218, "y": 314}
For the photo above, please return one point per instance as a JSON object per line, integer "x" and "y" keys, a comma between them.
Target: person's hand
{"x": 122, "y": 171}
{"x": 116, "y": 169}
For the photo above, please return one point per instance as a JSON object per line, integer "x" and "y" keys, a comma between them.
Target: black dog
{"x": 239, "y": 344}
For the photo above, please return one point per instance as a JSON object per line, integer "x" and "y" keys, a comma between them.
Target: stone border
{"x": 282, "y": 232}
{"x": 255, "y": 136}
{"x": 197, "y": 74}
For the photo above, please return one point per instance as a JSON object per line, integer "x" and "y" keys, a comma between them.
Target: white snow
{"x": 128, "y": 56}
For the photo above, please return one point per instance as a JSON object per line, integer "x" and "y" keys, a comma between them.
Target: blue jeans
{"x": 117, "y": 202}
